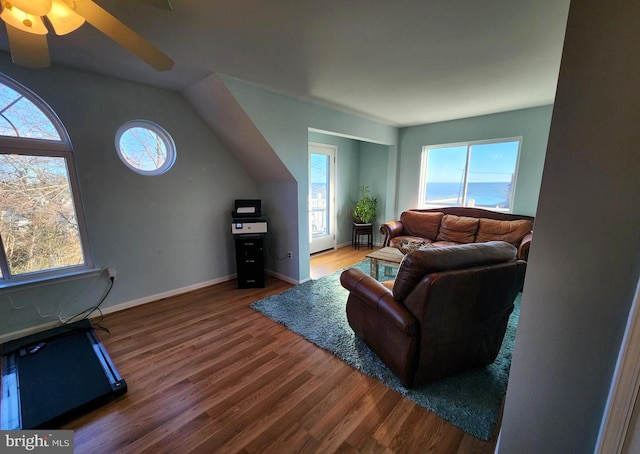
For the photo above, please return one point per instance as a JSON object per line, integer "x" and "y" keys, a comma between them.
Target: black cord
{"x": 91, "y": 310}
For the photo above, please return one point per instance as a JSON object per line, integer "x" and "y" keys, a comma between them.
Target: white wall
{"x": 584, "y": 262}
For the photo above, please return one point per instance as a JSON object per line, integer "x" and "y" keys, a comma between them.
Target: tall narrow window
{"x": 42, "y": 232}
{"x": 322, "y": 218}
{"x": 480, "y": 174}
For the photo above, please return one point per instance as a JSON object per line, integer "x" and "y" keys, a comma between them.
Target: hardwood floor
{"x": 206, "y": 373}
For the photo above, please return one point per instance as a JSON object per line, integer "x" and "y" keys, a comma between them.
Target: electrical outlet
{"x": 289, "y": 255}
{"x": 111, "y": 271}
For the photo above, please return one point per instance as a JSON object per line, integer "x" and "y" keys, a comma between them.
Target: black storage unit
{"x": 248, "y": 229}
{"x": 249, "y": 261}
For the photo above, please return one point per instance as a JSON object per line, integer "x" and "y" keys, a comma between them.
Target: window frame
{"x": 61, "y": 148}
{"x": 160, "y": 132}
{"x": 468, "y": 144}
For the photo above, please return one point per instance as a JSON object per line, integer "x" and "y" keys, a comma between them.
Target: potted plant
{"x": 366, "y": 207}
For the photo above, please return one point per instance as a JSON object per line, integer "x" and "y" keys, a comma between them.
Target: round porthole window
{"x": 145, "y": 147}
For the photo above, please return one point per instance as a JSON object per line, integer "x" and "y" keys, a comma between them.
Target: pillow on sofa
{"x": 509, "y": 231}
{"x": 459, "y": 229}
{"x": 424, "y": 225}
{"x": 407, "y": 245}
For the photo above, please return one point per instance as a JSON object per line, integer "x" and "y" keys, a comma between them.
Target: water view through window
{"x": 475, "y": 174}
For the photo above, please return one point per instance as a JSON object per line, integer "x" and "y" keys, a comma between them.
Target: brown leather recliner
{"x": 446, "y": 311}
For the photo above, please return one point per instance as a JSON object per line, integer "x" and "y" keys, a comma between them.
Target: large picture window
{"x": 42, "y": 232}
{"x": 480, "y": 174}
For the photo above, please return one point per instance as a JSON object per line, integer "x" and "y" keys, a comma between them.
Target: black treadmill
{"x": 51, "y": 377}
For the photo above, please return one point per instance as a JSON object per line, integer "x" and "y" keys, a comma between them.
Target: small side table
{"x": 362, "y": 230}
{"x": 387, "y": 256}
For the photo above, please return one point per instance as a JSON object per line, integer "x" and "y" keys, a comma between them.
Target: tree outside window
{"x": 41, "y": 227}
{"x": 145, "y": 147}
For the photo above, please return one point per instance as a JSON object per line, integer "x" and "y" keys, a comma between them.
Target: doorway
{"x": 322, "y": 219}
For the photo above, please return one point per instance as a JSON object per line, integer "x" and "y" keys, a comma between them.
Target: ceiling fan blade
{"x": 27, "y": 49}
{"x": 162, "y": 4}
{"x": 126, "y": 37}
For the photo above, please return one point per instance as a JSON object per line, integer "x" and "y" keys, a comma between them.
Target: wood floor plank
{"x": 378, "y": 410}
{"x": 206, "y": 373}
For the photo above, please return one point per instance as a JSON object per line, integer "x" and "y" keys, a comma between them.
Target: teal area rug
{"x": 316, "y": 311}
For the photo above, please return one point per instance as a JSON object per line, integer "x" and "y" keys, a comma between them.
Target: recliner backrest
{"x": 419, "y": 263}
{"x": 463, "y": 315}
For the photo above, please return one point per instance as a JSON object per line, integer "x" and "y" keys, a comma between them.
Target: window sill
{"x": 24, "y": 284}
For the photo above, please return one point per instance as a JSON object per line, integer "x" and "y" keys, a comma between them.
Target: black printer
{"x": 247, "y": 218}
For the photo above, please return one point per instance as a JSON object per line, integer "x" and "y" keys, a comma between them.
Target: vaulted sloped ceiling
{"x": 401, "y": 62}
{"x": 219, "y": 109}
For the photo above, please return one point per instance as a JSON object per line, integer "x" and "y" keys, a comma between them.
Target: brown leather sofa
{"x": 459, "y": 225}
{"x": 446, "y": 311}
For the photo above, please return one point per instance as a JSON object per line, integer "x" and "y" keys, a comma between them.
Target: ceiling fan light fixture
{"x": 21, "y": 20}
{"x": 63, "y": 19}
{"x": 34, "y": 7}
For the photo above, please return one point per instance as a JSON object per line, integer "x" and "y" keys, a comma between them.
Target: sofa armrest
{"x": 390, "y": 230}
{"x": 523, "y": 248}
{"x": 379, "y": 298}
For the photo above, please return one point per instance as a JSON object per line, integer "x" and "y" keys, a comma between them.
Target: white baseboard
{"x": 349, "y": 244}
{"x": 159, "y": 296}
{"x": 282, "y": 277}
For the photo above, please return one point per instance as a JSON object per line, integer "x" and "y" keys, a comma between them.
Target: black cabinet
{"x": 250, "y": 261}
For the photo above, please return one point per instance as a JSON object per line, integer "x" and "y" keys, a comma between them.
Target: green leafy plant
{"x": 366, "y": 207}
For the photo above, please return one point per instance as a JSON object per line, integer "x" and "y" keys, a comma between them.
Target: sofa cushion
{"x": 417, "y": 264}
{"x": 424, "y": 225}
{"x": 509, "y": 231}
{"x": 459, "y": 229}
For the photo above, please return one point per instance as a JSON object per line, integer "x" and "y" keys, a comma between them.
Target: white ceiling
{"x": 402, "y": 62}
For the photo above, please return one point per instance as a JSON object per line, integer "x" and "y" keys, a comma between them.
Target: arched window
{"x": 42, "y": 229}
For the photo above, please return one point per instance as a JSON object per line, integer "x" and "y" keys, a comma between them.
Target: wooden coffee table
{"x": 389, "y": 256}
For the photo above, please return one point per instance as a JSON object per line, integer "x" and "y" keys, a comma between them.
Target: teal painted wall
{"x": 530, "y": 124}
{"x": 284, "y": 122}
{"x": 372, "y": 173}
{"x": 161, "y": 233}
{"x": 358, "y": 163}
{"x": 277, "y": 200}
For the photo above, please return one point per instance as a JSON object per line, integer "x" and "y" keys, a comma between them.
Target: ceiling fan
{"x": 27, "y": 32}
